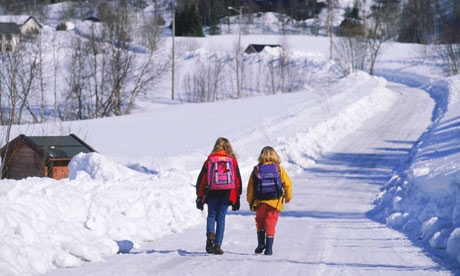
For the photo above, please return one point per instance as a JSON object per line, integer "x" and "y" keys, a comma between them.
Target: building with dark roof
{"x": 10, "y": 33}
{"x": 257, "y": 48}
{"x": 41, "y": 156}
{"x": 9, "y": 36}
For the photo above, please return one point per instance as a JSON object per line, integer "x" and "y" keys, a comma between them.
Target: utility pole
{"x": 330, "y": 19}
{"x": 173, "y": 52}
{"x": 237, "y": 57}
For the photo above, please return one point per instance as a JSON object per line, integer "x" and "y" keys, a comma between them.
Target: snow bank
{"x": 46, "y": 223}
{"x": 305, "y": 147}
{"x": 423, "y": 196}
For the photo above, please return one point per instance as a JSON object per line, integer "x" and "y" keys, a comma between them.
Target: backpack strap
{"x": 229, "y": 176}
{"x": 260, "y": 177}
{"x": 216, "y": 169}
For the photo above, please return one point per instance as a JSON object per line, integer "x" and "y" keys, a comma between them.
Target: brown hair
{"x": 223, "y": 144}
{"x": 268, "y": 154}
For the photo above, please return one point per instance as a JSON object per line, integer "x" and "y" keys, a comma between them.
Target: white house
{"x": 30, "y": 26}
{"x": 11, "y": 31}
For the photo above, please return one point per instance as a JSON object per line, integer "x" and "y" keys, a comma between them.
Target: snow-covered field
{"x": 340, "y": 139}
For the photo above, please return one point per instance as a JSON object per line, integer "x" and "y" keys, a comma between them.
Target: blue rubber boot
{"x": 269, "y": 245}
{"x": 260, "y": 242}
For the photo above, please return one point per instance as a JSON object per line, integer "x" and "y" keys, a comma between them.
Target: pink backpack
{"x": 221, "y": 175}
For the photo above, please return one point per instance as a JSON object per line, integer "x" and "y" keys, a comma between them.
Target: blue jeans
{"x": 217, "y": 210}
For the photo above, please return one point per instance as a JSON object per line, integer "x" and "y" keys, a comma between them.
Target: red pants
{"x": 266, "y": 218}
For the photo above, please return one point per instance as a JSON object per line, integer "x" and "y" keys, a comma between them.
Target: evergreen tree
{"x": 188, "y": 21}
{"x": 352, "y": 23}
{"x": 195, "y": 23}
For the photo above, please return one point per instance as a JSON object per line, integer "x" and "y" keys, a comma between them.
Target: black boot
{"x": 260, "y": 242}
{"x": 218, "y": 250}
{"x": 210, "y": 242}
{"x": 269, "y": 245}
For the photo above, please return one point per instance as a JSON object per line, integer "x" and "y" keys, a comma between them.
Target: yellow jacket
{"x": 275, "y": 203}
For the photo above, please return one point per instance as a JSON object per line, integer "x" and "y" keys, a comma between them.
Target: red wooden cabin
{"x": 42, "y": 156}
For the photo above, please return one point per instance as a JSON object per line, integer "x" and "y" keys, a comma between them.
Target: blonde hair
{"x": 268, "y": 154}
{"x": 223, "y": 144}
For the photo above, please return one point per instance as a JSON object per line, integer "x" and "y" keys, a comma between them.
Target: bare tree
{"x": 238, "y": 67}
{"x": 73, "y": 106}
{"x": 331, "y": 4}
{"x": 11, "y": 61}
{"x": 151, "y": 31}
{"x": 129, "y": 71}
{"x": 56, "y": 48}
{"x": 97, "y": 62}
{"x": 203, "y": 84}
{"x": 42, "y": 86}
{"x": 448, "y": 47}
{"x": 450, "y": 56}
{"x": 384, "y": 15}
{"x": 352, "y": 54}
{"x": 28, "y": 71}
{"x": 120, "y": 59}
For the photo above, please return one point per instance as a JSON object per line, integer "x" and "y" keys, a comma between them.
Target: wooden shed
{"x": 42, "y": 156}
{"x": 257, "y": 48}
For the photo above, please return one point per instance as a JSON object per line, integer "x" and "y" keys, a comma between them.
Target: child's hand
{"x": 199, "y": 203}
{"x": 287, "y": 201}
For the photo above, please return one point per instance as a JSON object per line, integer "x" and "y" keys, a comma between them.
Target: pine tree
{"x": 195, "y": 23}
{"x": 188, "y": 22}
{"x": 352, "y": 23}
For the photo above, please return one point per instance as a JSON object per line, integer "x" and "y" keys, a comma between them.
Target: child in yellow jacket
{"x": 267, "y": 203}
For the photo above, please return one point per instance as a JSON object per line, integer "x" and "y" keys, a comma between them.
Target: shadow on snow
{"x": 375, "y": 168}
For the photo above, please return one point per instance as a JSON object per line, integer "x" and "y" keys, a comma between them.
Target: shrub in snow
{"x": 61, "y": 27}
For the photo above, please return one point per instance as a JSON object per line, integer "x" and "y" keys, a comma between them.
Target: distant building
{"x": 257, "y": 48}
{"x": 30, "y": 26}
{"x": 11, "y": 32}
{"x": 41, "y": 156}
{"x": 9, "y": 36}
{"x": 92, "y": 18}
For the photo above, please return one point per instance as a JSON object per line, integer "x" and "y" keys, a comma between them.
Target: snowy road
{"x": 324, "y": 231}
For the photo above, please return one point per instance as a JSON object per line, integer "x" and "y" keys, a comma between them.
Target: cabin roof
{"x": 34, "y": 19}
{"x": 9, "y": 28}
{"x": 61, "y": 146}
{"x": 52, "y": 146}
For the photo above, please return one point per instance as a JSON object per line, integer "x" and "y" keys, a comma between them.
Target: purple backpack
{"x": 221, "y": 175}
{"x": 267, "y": 182}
